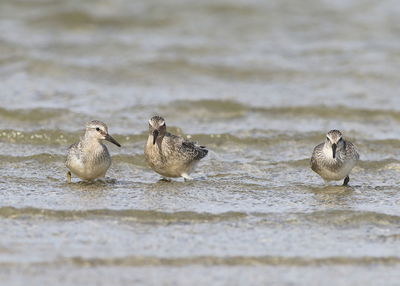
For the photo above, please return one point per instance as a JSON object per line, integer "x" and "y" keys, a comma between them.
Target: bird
{"x": 89, "y": 158}
{"x": 169, "y": 155}
{"x": 334, "y": 159}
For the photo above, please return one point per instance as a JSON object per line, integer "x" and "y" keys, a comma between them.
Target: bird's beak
{"x": 112, "y": 140}
{"x": 334, "y": 146}
{"x": 155, "y": 135}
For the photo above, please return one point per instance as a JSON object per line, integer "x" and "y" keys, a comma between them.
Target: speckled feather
{"x": 76, "y": 150}
{"x": 89, "y": 158}
{"x": 173, "y": 156}
{"x": 337, "y": 168}
{"x": 318, "y": 157}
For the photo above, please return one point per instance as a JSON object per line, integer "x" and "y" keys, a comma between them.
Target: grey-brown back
{"x": 184, "y": 149}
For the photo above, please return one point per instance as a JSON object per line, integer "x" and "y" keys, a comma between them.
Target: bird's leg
{"x": 186, "y": 177}
{"x": 346, "y": 181}
{"x": 69, "y": 177}
{"x": 164, "y": 179}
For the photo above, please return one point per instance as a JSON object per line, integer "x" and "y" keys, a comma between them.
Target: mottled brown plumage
{"x": 334, "y": 159}
{"x": 169, "y": 155}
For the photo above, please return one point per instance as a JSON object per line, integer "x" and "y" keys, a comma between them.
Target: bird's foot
{"x": 69, "y": 177}
{"x": 346, "y": 181}
{"x": 164, "y": 179}
{"x": 186, "y": 177}
{"x": 101, "y": 180}
{"x": 110, "y": 180}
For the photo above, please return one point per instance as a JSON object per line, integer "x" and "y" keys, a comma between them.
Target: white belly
{"x": 338, "y": 174}
{"x": 89, "y": 171}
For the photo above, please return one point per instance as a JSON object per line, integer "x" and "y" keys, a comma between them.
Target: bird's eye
{"x": 97, "y": 129}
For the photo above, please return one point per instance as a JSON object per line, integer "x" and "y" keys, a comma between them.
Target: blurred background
{"x": 259, "y": 82}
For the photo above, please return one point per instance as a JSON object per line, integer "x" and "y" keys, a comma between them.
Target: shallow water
{"x": 259, "y": 83}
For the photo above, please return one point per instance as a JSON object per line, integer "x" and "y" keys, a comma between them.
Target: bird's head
{"x": 98, "y": 130}
{"x": 334, "y": 139}
{"x": 157, "y": 127}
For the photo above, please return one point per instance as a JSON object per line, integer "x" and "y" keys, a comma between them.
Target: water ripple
{"x": 138, "y": 261}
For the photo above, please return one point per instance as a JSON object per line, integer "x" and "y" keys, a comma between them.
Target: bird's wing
{"x": 188, "y": 149}
{"x": 352, "y": 151}
{"x": 317, "y": 150}
{"x": 199, "y": 152}
{"x": 73, "y": 151}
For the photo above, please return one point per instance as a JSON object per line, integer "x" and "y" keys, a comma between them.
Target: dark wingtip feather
{"x": 203, "y": 152}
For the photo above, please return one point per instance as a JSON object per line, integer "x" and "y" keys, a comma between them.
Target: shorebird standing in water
{"x": 169, "y": 155}
{"x": 334, "y": 159}
{"x": 89, "y": 158}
